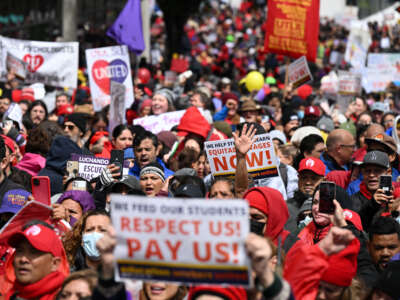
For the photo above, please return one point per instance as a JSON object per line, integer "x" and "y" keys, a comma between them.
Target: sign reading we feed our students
{"x": 181, "y": 240}
{"x": 261, "y": 159}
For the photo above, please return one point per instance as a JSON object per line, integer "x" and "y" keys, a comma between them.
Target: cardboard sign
{"x": 89, "y": 167}
{"x": 292, "y": 28}
{"x": 165, "y": 121}
{"x": 299, "y": 73}
{"x": 261, "y": 159}
{"x": 16, "y": 65}
{"x": 166, "y": 239}
{"x": 105, "y": 65}
{"x": 349, "y": 83}
{"x": 117, "y": 107}
{"x": 50, "y": 63}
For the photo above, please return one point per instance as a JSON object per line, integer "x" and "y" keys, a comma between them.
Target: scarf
{"x": 44, "y": 289}
{"x": 366, "y": 193}
{"x": 312, "y": 234}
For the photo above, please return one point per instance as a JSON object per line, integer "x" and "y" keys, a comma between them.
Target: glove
{"x": 106, "y": 177}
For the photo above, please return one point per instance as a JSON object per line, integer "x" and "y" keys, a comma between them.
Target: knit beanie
{"x": 153, "y": 168}
{"x": 228, "y": 292}
{"x": 168, "y": 94}
{"x": 78, "y": 119}
{"x": 343, "y": 265}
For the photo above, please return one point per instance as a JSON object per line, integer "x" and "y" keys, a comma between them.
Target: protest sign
{"x": 51, "y": 63}
{"x": 178, "y": 240}
{"x": 292, "y": 28}
{"x": 162, "y": 122}
{"x": 117, "y": 107}
{"x": 261, "y": 160}
{"x": 355, "y": 54}
{"x": 299, "y": 73}
{"x": 105, "y": 65}
{"x": 384, "y": 61}
{"x": 376, "y": 80}
{"x": 88, "y": 167}
{"x": 349, "y": 83}
{"x": 329, "y": 83}
{"x": 16, "y": 65}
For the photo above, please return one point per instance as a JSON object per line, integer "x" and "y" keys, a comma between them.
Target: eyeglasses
{"x": 350, "y": 146}
{"x": 70, "y": 127}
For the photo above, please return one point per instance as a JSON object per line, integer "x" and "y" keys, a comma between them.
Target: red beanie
{"x": 343, "y": 265}
{"x": 229, "y": 292}
{"x": 227, "y": 96}
{"x": 257, "y": 200}
{"x": 97, "y": 136}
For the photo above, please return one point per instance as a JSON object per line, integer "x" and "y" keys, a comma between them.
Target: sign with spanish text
{"x": 261, "y": 159}
{"x": 105, "y": 65}
{"x": 299, "y": 72}
{"x": 180, "y": 240}
{"x": 89, "y": 167}
{"x": 165, "y": 121}
{"x": 51, "y": 63}
{"x": 293, "y": 28}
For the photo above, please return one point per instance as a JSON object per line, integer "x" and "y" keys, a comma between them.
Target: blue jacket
{"x": 331, "y": 164}
{"x": 56, "y": 162}
{"x": 135, "y": 170}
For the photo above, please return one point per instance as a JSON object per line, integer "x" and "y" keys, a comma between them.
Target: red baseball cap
{"x": 41, "y": 238}
{"x": 313, "y": 164}
{"x": 65, "y": 109}
{"x": 312, "y": 110}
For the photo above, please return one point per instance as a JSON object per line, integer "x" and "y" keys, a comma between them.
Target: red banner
{"x": 292, "y": 28}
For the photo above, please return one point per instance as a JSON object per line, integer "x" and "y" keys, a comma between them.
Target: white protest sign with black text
{"x": 181, "y": 240}
{"x": 299, "y": 73}
{"x": 261, "y": 159}
{"x": 162, "y": 122}
{"x": 50, "y": 63}
{"x": 105, "y": 65}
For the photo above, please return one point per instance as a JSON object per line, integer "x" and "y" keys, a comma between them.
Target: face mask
{"x": 257, "y": 227}
{"x": 89, "y": 244}
{"x": 305, "y": 221}
{"x": 398, "y": 219}
{"x": 300, "y": 114}
{"x": 72, "y": 221}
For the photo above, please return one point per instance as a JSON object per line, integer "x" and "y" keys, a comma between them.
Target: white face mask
{"x": 398, "y": 219}
{"x": 305, "y": 221}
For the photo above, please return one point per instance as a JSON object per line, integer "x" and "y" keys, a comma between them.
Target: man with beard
{"x": 384, "y": 241}
{"x": 75, "y": 128}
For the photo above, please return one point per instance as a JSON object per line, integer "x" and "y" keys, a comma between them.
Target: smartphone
{"x": 117, "y": 158}
{"x": 79, "y": 185}
{"x": 385, "y": 183}
{"x": 327, "y": 193}
{"x": 41, "y": 189}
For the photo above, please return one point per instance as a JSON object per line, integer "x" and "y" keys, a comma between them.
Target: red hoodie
{"x": 194, "y": 122}
{"x": 277, "y": 213}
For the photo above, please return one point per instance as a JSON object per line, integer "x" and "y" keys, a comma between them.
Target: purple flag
{"x": 127, "y": 29}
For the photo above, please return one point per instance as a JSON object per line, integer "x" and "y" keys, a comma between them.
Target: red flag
{"x": 293, "y": 27}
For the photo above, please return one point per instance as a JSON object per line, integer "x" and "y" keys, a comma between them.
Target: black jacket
{"x": 366, "y": 208}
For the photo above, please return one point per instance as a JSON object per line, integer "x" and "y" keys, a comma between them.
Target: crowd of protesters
{"x": 296, "y": 251}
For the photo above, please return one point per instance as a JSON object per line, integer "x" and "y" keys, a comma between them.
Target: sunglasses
{"x": 70, "y": 127}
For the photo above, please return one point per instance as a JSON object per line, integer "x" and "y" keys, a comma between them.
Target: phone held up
{"x": 327, "y": 193}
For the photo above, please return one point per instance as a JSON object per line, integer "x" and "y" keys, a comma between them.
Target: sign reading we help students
{"x": 196, "y": 241}
{"x": 261, "y": 159}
